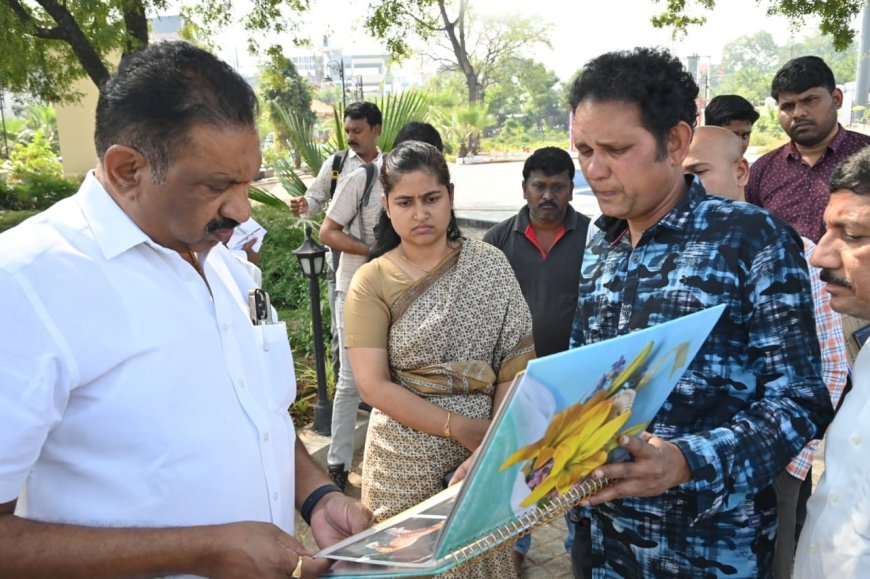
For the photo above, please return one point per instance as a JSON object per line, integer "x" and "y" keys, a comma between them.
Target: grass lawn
{"x": 9, "y": 219}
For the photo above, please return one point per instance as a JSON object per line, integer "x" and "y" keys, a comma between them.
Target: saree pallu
{"x": 454, "y": 334}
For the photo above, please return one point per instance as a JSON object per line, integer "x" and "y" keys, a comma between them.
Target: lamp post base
{"x": 323, "y": 418}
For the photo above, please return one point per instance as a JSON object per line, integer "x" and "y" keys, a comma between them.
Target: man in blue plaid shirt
{"x": 696, "y": 501}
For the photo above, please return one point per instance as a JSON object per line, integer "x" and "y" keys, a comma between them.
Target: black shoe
{"x": 338, "y": 475}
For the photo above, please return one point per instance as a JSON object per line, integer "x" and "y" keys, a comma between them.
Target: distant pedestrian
{"x": 732, "y": 112}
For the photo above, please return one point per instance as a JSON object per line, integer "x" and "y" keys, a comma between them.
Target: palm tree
{"x": 397, "y": 110}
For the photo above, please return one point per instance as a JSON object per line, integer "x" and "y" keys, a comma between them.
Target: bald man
{"x": 716, "y": 157}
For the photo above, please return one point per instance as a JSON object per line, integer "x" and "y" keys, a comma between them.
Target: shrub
{"x": 41, "y": 191}
{"x": 34, "y": 157}
{"x": 283, "y": 279}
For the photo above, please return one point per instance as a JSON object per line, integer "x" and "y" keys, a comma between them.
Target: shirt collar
{"x": 676, "y": 219}
{"x": 352, "y": 153}
{"x": 113, "y": 229}
{"x": 834, "y": 145}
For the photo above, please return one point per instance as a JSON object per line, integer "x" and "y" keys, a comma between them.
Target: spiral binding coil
{"x": 500, "y": 536}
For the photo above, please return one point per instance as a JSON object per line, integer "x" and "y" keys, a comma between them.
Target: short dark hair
{"x": 853, "y": 174}
{"x": 364, "y": 110}
{"x": 801, "y": 74}
{"x": 161, "y": 92}
{"x": 725, "y": 108}
{"x": 651, "y": 78}
{"x": 418, "y": 131}
{"x": 549, "y": 160}
{"x": 409, "y": 157}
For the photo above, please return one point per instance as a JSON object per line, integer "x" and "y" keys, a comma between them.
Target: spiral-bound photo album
{"x": 560, "y": 420}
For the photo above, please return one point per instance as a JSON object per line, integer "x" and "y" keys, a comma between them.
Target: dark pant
{"x": 791, "y": 512}
{"x": 581, "y": 548}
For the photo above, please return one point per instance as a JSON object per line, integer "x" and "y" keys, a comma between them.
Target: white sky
{"x": 578, "y": 31}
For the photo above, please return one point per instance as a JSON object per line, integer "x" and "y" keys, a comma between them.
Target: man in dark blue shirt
{"x": 697, "y": 498}
{"x": 544, "y": 244}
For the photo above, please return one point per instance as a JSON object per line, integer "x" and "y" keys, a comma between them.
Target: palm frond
{"x": 300, "y": 130}
{"x": 289, "y": 178}
{"x": 262, "y": 196}
{"x": 399, "y": 109}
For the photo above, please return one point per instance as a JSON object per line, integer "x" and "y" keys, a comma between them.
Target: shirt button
{"x": 856, "y": 440}
{"x": 813, "y": 549}
{"x": 834, "y": 498}
{"x": 241, "y": 383}
{"x": 635, "y": 259}
{"x": 224, "y": 327}
{"x": 275, "y": 496}
{"x": 189, "y": 277}
{"x": 266, "y": 437}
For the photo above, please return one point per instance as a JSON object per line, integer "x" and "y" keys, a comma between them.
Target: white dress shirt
{"x": 835, "y": 541}
{"x": 130, "y": 394}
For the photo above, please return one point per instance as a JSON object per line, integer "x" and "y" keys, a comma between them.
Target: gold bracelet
{"x": 446, "y": 431}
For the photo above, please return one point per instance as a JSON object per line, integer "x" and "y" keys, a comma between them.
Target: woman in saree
{"x": 436, "y": 329}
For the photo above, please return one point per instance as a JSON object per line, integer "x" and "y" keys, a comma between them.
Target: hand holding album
{"x": 552, "y": 432}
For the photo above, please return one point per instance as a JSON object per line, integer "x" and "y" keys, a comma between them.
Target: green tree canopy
{"x": 475, "y": 47}
{"x": 750, "y": 62}
{"x": 836, "y": 15}
{"x": 526, "y": 89}
{"x": 283, "y": 88}
{"x": 48, "y": 44}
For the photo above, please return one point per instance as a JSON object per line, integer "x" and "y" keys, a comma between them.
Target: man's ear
{"x": 837, "y": 95}
{"x": 525, "y": 191}
{"x": 742, "y": 172}
{"x": 124, "y": 168}
{"x": 679, "y": 141}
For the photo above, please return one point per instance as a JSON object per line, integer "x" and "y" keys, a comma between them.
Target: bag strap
{"x": 337, "y": 165}
{"x": 371, "y": 172}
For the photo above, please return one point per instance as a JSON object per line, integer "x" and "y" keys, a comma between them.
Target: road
{"x": 493, "y": 191}
{"x": 487, "y": 191}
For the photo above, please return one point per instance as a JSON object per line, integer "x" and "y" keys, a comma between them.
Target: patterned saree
{"x": 454, "y": 334}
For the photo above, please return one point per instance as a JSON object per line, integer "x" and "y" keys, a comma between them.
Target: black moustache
{"x": 826, "y": 276}
{"x": 222, "y": 223}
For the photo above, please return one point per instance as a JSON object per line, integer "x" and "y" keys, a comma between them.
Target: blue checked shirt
{"x": 748, "y": 403}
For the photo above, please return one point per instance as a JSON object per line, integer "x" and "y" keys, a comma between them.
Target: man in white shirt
{"x": 349, "y": 227}
{"x": 144, "y": 414}
{"x": 836, "y": 537}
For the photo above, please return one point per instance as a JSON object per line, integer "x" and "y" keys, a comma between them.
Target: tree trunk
{"x": 137, "y": 26}
{"x": 72, "y": 34}
{"x": 456, "y": 33}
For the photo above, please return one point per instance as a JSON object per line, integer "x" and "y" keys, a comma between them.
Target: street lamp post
{"x": 311, "y": 257}
{"x": 3, "y": 123}
{"x": 339, "y": 66}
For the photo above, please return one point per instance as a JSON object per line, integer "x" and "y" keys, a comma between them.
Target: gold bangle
{"x": 446, "y": 431}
